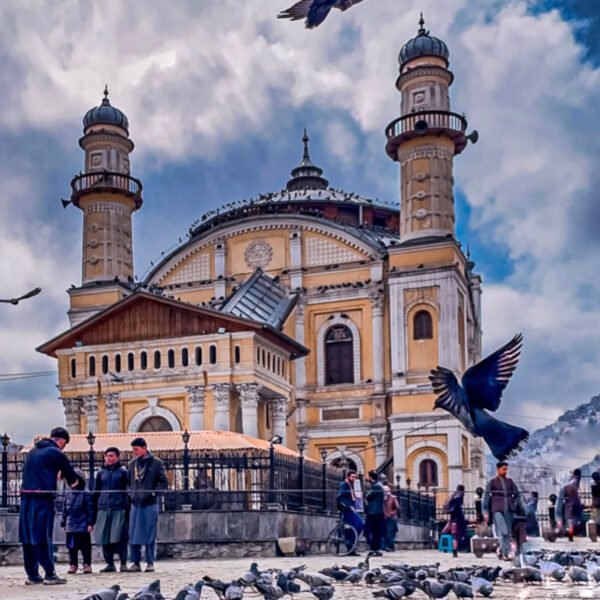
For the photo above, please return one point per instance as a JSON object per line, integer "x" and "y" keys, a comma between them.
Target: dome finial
{"x": 422, "y": 30}
{"x": 106, "y": 101}
{"x": 305, "y": 139}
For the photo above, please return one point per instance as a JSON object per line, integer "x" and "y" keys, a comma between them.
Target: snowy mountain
{"x": 552, "y": 452}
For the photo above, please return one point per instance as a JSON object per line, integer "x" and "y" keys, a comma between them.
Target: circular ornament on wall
{"x": 258, "y": 254}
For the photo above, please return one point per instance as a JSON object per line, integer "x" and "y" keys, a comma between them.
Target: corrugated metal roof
{"x": 215, "y": 441}
{"x": 261, "y": 299}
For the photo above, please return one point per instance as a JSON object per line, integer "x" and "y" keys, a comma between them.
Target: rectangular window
{"x": 338, "y": 414}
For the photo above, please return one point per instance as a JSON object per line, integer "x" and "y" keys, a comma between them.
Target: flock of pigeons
{"x": 393, "y": 581}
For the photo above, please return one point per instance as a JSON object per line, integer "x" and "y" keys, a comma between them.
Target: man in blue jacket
{"x": 375, "y": 514}
{"x": 36, "y": 519}
{"x": 346, "y": 501}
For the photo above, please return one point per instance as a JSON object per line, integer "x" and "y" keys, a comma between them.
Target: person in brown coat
{"x": 569, "y": 508}
{"x": 502, "y": 502}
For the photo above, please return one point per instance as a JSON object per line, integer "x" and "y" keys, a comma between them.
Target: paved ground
{"x": 175, "y": 574}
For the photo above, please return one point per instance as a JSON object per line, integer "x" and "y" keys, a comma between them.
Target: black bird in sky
{"x": 481, "y": 390}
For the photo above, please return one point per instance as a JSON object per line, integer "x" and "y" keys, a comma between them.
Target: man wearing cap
{"x": 36, "y": 519}
{"x": 147, "y": 478}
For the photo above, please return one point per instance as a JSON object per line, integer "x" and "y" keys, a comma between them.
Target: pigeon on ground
{"x": 323, "y": 592}
{"x": 269, "y": 592}
{"x": 593, "y": 571}
{"x": 435, "y": 589}
{"x": 552, "y": 570}
{"x": 481, "y": 389}
{"x": 123, "y": 596}
{"x": 234, "y": 592}
{"x": 462, "y": 590}
{"x": 578, "y": 575}
{"x": 394, "y": 592}
{"x": 314, "y": 579}
{"x": 216, "y": 584}
{"x": 335, "y": 573}
{"x": 191, "y": 592}
{"x": 105, "y": 594}
{"x": 482, "y": 586}
{"x": 152, "y": 588}
{"x": 314, "y": 12}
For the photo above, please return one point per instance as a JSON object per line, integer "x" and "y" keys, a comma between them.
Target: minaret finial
{"x": 106, "y": 100}
{"x": 305, "y": 139}
{"x": 422, "y": 30}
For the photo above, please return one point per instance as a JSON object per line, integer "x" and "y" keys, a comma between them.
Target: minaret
{"x": 307, "y": 174}
{"x": 107, "y": 195}
{"x": 425, "y": 139}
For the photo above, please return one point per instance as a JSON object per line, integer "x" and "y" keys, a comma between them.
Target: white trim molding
{"x": 153, "y": 411}
{"x": 330, "y": 322}
{"x": 342, "y": 452}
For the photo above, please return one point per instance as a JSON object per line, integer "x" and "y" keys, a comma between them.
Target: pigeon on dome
{"x": 482, "y": 387}
{"x": 314, "y": 12}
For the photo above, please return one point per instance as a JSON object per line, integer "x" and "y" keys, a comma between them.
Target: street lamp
{"x": 275, "y": 440}
{"x": 91, "y": 439}
{"x": 185, "y": 436}
{"x": 301, "y": 448}
{"x": 29, "y": 294}
{"x": 323, "y": 454}
{"x": 5, "y": 441}
{"x": 398, "y": 479}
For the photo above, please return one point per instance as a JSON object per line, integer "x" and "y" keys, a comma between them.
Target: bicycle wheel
{"x": 342, "y": 539}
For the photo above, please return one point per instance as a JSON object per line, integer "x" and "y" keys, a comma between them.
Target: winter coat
{"x": 596, "y": 495}
{"x": 569, "y": 505}
{"x": 78, "y": 513}
{"x": 110, "y": 492}
{"x": 152, "y": 479}
{"x": 346, "y": 499}
{"x": 374, "y": 499}
{"x": 502, "y": 495}
{"x": 43, "y": 464}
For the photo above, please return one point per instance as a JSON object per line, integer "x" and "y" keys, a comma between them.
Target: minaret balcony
{"x": 426, "y": 123}
{"x": 106, "y": 182}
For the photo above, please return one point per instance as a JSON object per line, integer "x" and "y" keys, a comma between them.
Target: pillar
{"x": 249, "y": 393}
{"x": 377, "y": 303}
{"x": 90, "y": 408}
{"x": 72, "y": 408}
{"x": 279, "y": 418}
{"x": 380, "y": 447}
{"x": 300, "y": 362}
{"x": 220, "y": 255}
{"x": 222, "y": 399}
{"x": 113, "y": 421}
{"x": 196, "y": 407}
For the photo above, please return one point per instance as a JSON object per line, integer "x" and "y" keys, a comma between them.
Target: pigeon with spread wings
{"x": 481, "y": 390}
{"x": 314, "y": 12}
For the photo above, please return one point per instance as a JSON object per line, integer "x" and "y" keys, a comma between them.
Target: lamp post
{"x": 419, "y": 484}
{"x": 5, "y": 442}
{"x": 272, "y": 497}
{"x": 323, "y": 454}
{"x": 185, "y": 436}
{"x": 398, "y": 480}
{"x": 409, "y": 498}
{"x": 301, "y": 448}
{"x": 91, "y": 440}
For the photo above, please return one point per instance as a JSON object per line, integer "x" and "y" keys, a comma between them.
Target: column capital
{"x": 90, "y": 405}
{"x": 221, "y": 391}
{"x": 279, "y": 405}
{"x": 195, "y": 395}
{"x": 249, "y": 392}
{"x": 113, "y": 400}
{"x": 377, "y": 303}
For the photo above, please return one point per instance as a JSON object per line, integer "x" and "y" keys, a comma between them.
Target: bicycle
{"x": 342, "y": 539}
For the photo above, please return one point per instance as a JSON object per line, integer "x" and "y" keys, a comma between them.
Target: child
{"x": 78, "y": 522}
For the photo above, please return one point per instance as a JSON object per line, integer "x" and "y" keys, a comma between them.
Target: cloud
{"x": 200, "y": 80}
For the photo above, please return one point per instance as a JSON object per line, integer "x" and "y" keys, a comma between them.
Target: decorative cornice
{"x": 429, "y": 151}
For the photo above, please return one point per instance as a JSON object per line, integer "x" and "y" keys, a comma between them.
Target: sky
{"x": 217, "y": 94}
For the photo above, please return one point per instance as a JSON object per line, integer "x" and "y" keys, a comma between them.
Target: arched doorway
{"x": 155, "y": 423}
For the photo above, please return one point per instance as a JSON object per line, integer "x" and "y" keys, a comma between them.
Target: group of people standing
{"x": 381, "y": 512}
{"x": 122, "y": 510}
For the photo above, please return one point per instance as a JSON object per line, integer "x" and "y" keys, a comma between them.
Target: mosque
{"x": 310, "y": 313}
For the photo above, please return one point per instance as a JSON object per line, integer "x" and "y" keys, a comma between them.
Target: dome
{"x": 423, "y": 45}
{"x": 105, "y": 114}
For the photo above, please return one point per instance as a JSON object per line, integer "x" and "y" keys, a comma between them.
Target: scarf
{"x": 140, "y": 468}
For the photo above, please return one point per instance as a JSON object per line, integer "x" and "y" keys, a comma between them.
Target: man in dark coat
{"x": 147, "y": 478}
{"x": 569, "y": 508}
{"x": 112, "y": 506}
{"x": 375, "y": 514}
{"x": 36, "y": 518}
{"x": 502, "y": 502}
{"x": 595, "y": 489}
{"x": 346, "y": 502}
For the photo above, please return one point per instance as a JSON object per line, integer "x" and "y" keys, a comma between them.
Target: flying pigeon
{"x": 314, "y": 12}
{"x": 482, "y": 387}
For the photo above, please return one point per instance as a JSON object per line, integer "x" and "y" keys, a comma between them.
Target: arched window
{"x": 130, "y": 361}
{"x": 264, "y": 358}
{"x": 157, "y": 359}
{"x": 258, "y": 355}
{"x": 339, "y": 359}
{"x": 144, "y": 360}
{"x": 269, "y": 361}
{"x": 171, "y": 359}
{"x": 185, "y": 358}
{"x": 73, "y": 368}
{"x": 117, "y": 363}
{"x": 198, "y": 355}
{"x": 212, "y": 355}
{"x": 422, "y": 326}
{"x": 236, "y": 355}
{"x": 105, "y": 364}
{"x": 155, "y": 423}
{"x": 92, "y": 366}
{"x": 428, "y": 473}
